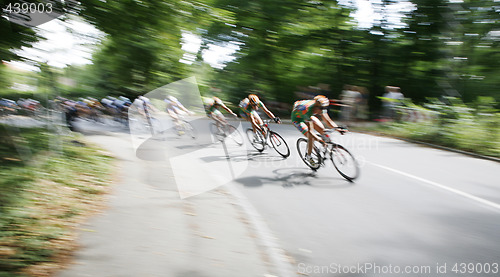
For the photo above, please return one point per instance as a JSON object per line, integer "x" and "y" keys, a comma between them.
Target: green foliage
{"x": 474, "y": 128}
{"x": 442, "y": 49}
{"x": 142, "y": 49}
{"x": 42, "y": 193}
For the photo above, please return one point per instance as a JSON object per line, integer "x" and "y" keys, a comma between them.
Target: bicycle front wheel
{"x": 256, "y": 139}
{"x": 315, "y": 154}
{"x": 344, "y": 162}
{"x": 234, "y": 134}
{"x": 279, "y": 144}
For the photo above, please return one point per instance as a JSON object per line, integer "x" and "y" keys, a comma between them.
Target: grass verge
{"x": 469, "y": 136}
{"x": 48, "y": 185}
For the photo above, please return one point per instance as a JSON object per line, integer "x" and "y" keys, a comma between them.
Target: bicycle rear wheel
{"x": 344, "y": 162}
{"x": 233, "y": 133}
{"x": 316, "y": 156}
{"x": 256, "y": 139}
{"x": 279, "y": 144}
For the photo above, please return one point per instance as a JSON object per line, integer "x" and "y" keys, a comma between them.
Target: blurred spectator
{"x": 362, "y": 103}
{"x": 69, "y": 109}
{"x": 349, "y": 98}
{"x": 391, "y": 100}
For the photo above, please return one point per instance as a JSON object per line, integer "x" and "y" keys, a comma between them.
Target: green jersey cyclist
{"x": 307, "y": 115}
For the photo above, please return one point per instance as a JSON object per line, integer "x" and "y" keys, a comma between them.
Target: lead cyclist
{"x": 307, "y": 115}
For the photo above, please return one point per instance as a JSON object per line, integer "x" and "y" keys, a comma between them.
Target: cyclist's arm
{"x": 227, "y": 109}
{"x": 328, "y": 120}
{"x": 180, "y": 106}
{"x": 184, "y": 109}
{"x": 267, "y": 111}
{"x": 172, "y": 113}
{"x": 151, "y": 108}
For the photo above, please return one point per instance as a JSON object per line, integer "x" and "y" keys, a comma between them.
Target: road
{"x": 412, "y": 206}
{"x": 414, "y": 210}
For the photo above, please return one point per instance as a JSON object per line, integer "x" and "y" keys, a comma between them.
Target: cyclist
{"x": 306, "y": 115}
{"x": 175, "y": 109}
{"x": 214, "y": 112}
{"x": 249, "y": 107}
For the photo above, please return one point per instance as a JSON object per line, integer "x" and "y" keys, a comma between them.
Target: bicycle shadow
{"x": 295, "y": 177}
{"x": 253, "y": 155}
{"x": 292, "y": 177}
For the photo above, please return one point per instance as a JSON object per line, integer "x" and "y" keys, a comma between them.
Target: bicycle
{"x": 343, "y": 161}
{"x": 222, "y": 131}
{"x": 259, "y": 141}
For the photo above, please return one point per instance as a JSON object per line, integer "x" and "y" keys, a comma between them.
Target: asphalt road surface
{"x": 414, "y": 210}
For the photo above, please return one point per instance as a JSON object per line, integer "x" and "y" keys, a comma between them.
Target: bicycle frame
{"x": 266, "y": 129}
{"x": 270, "y": 138}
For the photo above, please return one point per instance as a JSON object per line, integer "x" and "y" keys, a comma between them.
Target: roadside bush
{"x": 474, "y": 127}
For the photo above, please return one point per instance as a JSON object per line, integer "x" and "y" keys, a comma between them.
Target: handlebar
{"x": 342, "y": 129}
{"x": 276, "y": 120}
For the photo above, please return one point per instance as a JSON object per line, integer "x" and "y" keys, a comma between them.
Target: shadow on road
{"x": 294, "y": 177}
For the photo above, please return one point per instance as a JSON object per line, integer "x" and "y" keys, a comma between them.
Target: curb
{"x": 277, "y": 256}
{"x": 475, "y": 155}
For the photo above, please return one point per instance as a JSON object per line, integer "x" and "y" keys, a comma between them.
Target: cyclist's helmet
{"x": 254, "y": 99}
{"x": 322, "y": 101}
{"x": 217, "y": 101}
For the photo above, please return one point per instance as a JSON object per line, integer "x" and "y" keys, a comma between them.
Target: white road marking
{"x": 452, "y": 190}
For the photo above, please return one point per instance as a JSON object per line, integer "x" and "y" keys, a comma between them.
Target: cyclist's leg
{"x": 318, "y": 126}
{"x": 257, "y": 122}
{"x": 252, "y": 121}
{"x": 211, "y": 116}
{"x": 246, "y": 115}
{"x": 179, "y": 115}
{"x": 310, "y": 137}
{"x": 220, "y": 121}
{"x": 304, "y": 128}
{"x": 314, "y": 125}
{"x": 175, "y": 117}
{"x": 219, "y": 117}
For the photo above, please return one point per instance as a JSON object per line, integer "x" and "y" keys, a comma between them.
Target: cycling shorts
{"x": 301, "y": 126}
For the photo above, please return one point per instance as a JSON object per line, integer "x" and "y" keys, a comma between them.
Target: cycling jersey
{"x": 247, "y": 108}
{"x": 302, "y": 112}
{"x": 212, "y": 108}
